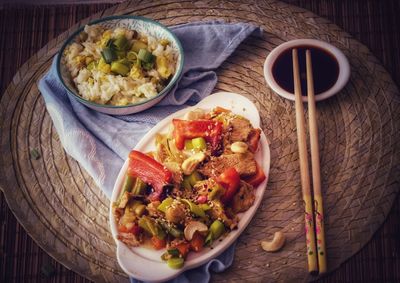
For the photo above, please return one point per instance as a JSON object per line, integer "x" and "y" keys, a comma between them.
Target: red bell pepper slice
{"x": 253, "y": 139}
{"x": 230, "y": 180}
{"x": 257, "y": 178}
{"x": 210, "y": 130}
{"x": 149, "y": 171}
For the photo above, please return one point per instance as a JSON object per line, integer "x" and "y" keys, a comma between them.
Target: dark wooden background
{"x": 25, "y": 29}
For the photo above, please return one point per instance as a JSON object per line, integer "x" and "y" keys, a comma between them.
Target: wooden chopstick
{"x": 315, "y": 165}
{"x": 304, "y": 173}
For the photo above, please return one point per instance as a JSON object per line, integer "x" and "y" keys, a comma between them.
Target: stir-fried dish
{"x": 119, "y": 66}
{"x": 188, "y": 192}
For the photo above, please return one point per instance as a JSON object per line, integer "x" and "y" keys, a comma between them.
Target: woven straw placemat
{"x": 59, "y": 205}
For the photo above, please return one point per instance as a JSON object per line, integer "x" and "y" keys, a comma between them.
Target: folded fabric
{"x": 101, "y": 143}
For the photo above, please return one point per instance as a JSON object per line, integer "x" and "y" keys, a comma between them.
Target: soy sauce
{"x": 325, "y": 69}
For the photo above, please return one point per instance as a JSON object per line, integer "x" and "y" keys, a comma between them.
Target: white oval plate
{"x": 144, "y": 263}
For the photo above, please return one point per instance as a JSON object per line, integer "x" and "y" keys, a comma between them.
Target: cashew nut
{"x": 192, "y": 227}
{"x": 276, "y": 244}
{"x": 194, "y": 114}
{"x": 239, "y": 147}
{"x": 190, "y": 164}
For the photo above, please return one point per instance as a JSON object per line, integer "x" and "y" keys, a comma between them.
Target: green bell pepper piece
{"x": 164, "y": 205}
{"x": 150, "y": 226}
{"x": 175, "y": 262}
{"x": 176, "y": 233}
{"x": 194, "y": 208}
{"x": 217, "y": 228}
{"x": 204, "y": 206}
{"x": 209, "y": 239}
{"x": 194, "y": 178}
{"x": 188, "y": 144}
{"x": 139, "y": 187}
{"x": 217, "y": 192}
{"x": 199, "y": 143}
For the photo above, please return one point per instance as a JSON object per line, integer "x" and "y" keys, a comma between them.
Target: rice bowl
{"x": 120, "y": 65}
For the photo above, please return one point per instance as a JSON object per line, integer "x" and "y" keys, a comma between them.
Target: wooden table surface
{"x": 25, "y": 29}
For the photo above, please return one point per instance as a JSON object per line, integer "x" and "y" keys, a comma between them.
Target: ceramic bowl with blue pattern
{"x": 142, "y": 25}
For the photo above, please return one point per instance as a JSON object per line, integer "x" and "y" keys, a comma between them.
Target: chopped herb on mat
{"x": 48, "y": 269}
{"x": 35, "y": 154}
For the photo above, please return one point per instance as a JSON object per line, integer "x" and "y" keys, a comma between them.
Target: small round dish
{"x": 142, "y": 25}
{"x": 343, "y": 66}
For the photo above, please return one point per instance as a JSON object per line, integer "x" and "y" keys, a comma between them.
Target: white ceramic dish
{"x": 344, "y": 67}
{"x": 140, "y": 24}
{"x": 144, "y": 263}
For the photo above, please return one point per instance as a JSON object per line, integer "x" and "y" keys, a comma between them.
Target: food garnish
{"x": 275, "y": 244}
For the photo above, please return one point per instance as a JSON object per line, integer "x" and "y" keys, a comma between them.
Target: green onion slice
{"x": 108, "y": 55}
{"x": 121, "y": 43}
{"x": 146, "y": 56}
{"x": 131, "y": 56}
{"x": 119, "y": 68}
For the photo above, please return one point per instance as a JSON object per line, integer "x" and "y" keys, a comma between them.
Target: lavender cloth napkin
{"x": 101, "y": 143}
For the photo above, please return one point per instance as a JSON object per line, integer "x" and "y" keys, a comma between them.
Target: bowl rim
{"x": 140, "y": 18}
{"x": 344, "y": 68}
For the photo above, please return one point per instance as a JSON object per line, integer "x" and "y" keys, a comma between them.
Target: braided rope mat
{"x": 58, "y": 204}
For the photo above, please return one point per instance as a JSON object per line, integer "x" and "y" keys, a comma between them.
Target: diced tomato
{"x": 257, "y": 178}
{"x": 183, "y": 248}
{"x": 134, "y": 229}
{"x": 253, "y": 139}
{"x": 230, "y": 180}
{"x": 149, "y": 171}
{"x": 210, "y": 130}
{"x": 197, "y": 242}
{"x": 158, "y": 244}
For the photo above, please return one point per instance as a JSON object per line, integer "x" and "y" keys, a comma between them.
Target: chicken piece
{"x": 161, "y": 153}
{"x": 244, "y": 164}
{"x": 240, "y": 129}
{"x": 129, "y": 239}
{"x": 117, "y": 212}
{"x": 152, "y": 209}
{"x": 244, "y": 198}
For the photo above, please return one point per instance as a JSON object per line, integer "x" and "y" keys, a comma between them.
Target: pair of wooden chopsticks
{"x": 315, "y": 234}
